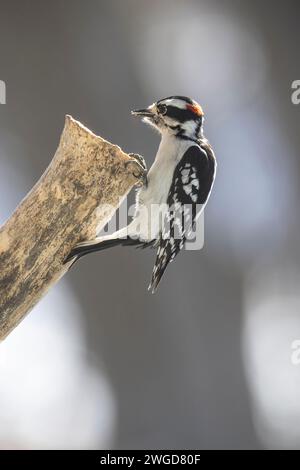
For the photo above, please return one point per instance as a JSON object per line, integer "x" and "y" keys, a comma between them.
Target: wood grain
{"x": 79, "y": 191}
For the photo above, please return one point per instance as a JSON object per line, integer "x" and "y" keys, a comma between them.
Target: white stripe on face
{"x": 175, "y": 102}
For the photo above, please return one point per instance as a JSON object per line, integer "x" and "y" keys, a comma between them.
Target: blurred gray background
{"x": 206, "y": 362}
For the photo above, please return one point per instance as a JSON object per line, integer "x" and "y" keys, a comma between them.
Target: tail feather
{"x": 85, "y": 248}
{"x": 100, "y": 244}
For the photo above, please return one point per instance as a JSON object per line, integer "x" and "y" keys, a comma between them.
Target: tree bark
{"x": 78, "y": 193}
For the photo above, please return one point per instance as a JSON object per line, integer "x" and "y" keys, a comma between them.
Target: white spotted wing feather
{"x": 192, "y": 182}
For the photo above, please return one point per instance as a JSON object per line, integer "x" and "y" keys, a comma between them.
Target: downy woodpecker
{"x": 182, "y": 175}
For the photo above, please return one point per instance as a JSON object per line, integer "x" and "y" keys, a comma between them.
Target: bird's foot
{"x": 139, "y": 158}
{"x": 143, "y": 174}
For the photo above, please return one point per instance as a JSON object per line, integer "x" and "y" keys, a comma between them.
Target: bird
{"x": 181, "y": 176}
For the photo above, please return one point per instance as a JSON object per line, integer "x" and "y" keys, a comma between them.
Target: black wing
{"x": 192, "y": 182}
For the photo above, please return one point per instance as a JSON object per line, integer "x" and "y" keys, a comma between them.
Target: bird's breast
{"x": 152, "y": 199}
{"x": 161, "y": 173}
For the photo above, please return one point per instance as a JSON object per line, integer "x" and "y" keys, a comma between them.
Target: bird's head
{"x": 177, "y": 115}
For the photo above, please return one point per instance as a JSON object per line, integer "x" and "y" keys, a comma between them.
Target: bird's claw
{"x": 142, "y": 175}
{"x": 139, "y": 158}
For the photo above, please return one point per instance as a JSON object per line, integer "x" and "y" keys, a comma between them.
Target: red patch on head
{"x": 195, "y": 108}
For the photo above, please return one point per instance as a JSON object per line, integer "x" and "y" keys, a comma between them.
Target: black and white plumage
{"x": 191, "y": 185}
{"x": 177, "y": 188}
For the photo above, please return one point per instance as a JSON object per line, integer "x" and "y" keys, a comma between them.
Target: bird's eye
{"x": 162, "y": 109}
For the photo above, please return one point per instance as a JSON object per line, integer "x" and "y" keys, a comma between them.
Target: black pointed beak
{"x": 142, "y": 112}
